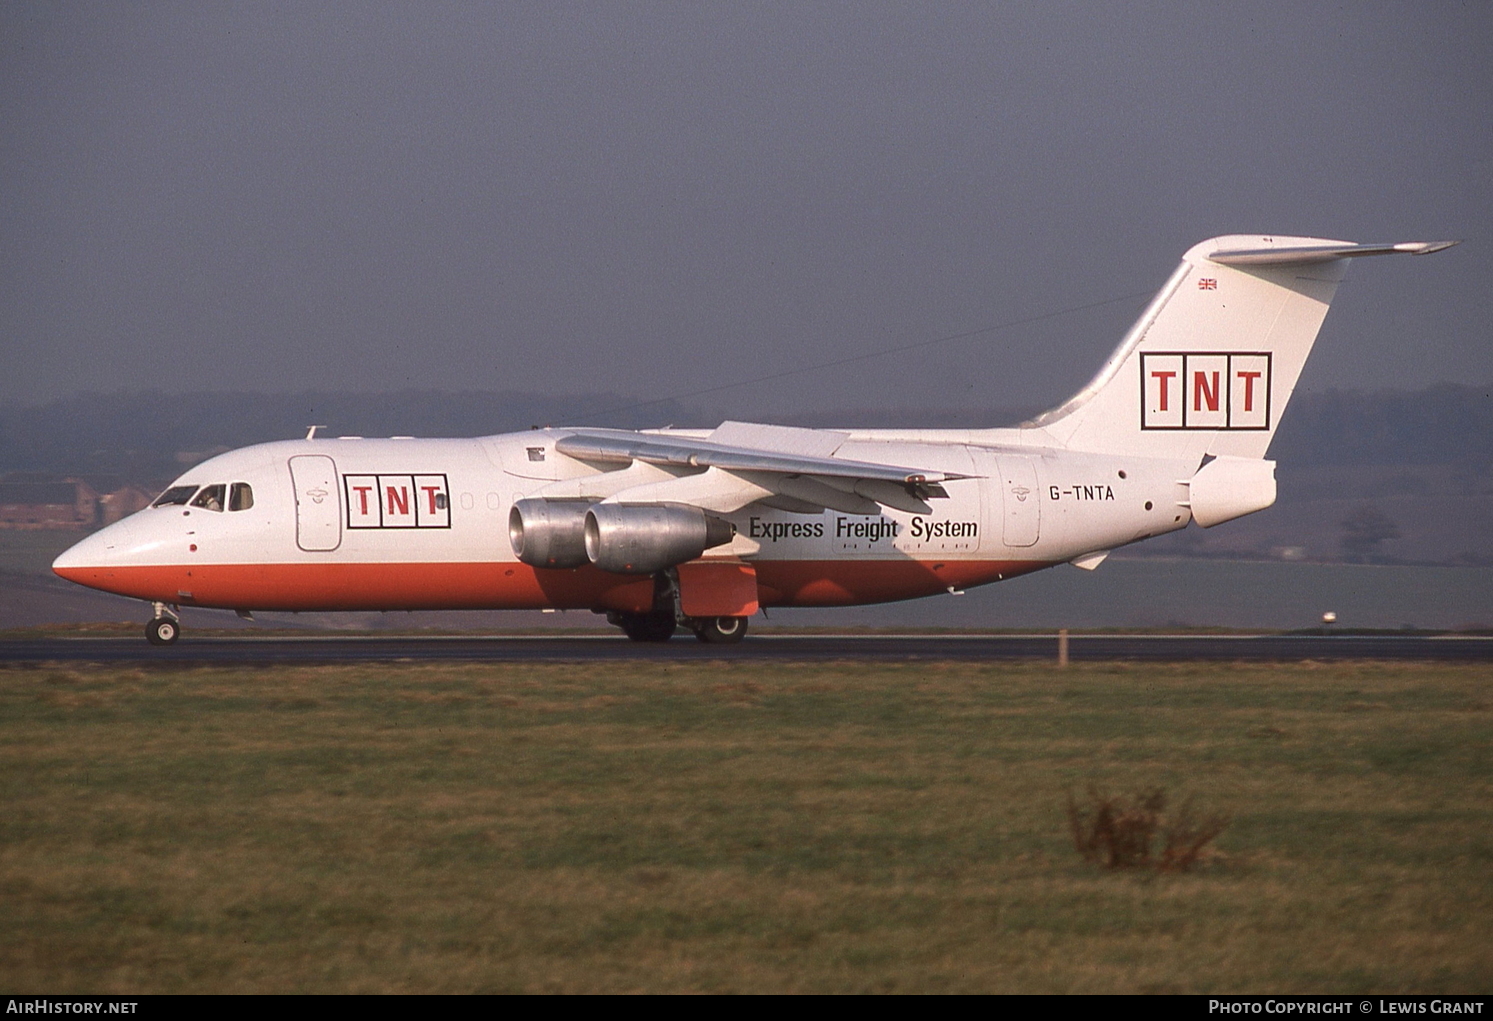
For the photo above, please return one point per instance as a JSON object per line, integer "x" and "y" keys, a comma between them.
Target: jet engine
{"x": 549, "y": 533}
{"x": 644, "y": 538}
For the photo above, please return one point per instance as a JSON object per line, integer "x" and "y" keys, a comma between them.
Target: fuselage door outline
{"x": 318, "y": 503}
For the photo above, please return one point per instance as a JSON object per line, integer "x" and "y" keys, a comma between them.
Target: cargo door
{"x": 318, "y": 503}
{"x": 1022, "y": 518}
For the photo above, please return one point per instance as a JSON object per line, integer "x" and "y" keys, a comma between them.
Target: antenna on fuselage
{"x": 311, "y": 431}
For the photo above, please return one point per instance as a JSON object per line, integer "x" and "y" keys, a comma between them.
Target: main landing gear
{"x": 659, "y": 624}
{"x": 645, "y": 627}
{"x": 719, "y": 630}
{"x": 165, "y": 627}
{"x": 655, "y": 627}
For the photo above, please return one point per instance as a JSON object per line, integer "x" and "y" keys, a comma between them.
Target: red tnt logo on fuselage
{"x": 397, "y": 501}
{"x": 1205, "y": 390}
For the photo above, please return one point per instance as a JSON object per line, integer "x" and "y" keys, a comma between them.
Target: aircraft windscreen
{"x": 211, "y": 497}
{"x": 175, "y": 496}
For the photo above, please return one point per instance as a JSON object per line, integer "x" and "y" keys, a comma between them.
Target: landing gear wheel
{"x": 648, "y": 627}
{"x": 162, "y": 631}
{"x": 721, "y": 630}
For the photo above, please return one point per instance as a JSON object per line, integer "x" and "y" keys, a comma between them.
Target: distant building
{"x": 123, "y": 502}
{"x": 27, "y": 501}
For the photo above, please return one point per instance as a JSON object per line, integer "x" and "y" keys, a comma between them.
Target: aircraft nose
{"x": 81, "y": 555}
{"x": 100, "y": 549}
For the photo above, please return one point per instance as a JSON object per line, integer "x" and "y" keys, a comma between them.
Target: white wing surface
{"x": 742, "y": 463}
{"x": 621, "y": 447}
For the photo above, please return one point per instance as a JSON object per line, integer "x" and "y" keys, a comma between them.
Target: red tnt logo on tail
{"x": 1205, "y": 390}
{"x": 1201, "y": 391}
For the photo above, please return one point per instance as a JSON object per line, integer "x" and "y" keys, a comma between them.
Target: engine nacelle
{"x": 644, "y": 538}
{"x": 549, "y": 533}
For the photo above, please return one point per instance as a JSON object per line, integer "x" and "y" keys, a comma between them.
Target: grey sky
{"x": 652, "y": 198}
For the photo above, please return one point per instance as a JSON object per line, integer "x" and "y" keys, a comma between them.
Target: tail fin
{"x": 1211, "y": 363}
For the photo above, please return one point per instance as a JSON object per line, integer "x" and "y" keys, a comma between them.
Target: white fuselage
{"x": 423, "y": 524}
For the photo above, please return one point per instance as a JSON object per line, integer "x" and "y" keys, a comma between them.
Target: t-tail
{"x": 1210, "y": 366}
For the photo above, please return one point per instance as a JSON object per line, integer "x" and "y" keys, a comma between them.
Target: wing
{"x": 742, "y": 463}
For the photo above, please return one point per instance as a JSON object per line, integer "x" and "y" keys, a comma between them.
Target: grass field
{"x": 722, "y": 827}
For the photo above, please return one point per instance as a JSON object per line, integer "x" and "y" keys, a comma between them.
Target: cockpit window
{"x": 241, "y": 496}
{"x": 211, "y": 497}
{"x": 175, "y": 496}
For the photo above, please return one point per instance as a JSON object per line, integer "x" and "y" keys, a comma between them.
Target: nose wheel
{"x": 165, "y": 628}
{"x": 162, "y": 631}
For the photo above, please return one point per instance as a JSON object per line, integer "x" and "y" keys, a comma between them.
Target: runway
{"x": 325, "y": 650}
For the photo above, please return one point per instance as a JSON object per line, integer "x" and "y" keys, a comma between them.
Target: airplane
{"x": 666, "y": 528}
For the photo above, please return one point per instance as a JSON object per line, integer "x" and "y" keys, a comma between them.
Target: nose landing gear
{"x": 165, "y": 627}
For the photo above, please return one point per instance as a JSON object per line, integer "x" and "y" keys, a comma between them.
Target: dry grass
{"x": 841, "y": 827}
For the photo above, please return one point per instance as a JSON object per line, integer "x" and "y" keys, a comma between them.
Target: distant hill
{"x": 1448, "y": 424}
{"x": 155, "y": 435}
{"x": 1418, "y": 465}
{"x": 133, "y": 432}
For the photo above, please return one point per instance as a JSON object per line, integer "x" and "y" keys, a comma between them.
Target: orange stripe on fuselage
{"x": 853, "y": 582}
{"x": 514, "y": 586}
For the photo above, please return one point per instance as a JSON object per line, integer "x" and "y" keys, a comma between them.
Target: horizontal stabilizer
{"x": 1322, "y": 253}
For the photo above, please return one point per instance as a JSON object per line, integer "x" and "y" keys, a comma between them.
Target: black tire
{"x": 162, "y": 631}
{"x": 648, "y": 627}
{"x": 721, "y": 630}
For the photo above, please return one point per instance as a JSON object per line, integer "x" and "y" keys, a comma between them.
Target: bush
{"x": 1119, "y": 833}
